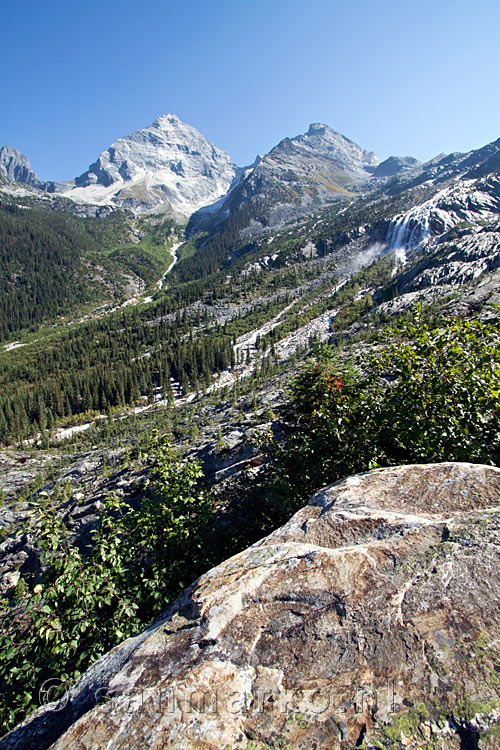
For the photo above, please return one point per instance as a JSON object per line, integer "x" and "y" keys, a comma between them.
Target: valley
{"x": 168, "y": 312}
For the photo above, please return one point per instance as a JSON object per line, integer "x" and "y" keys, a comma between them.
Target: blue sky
{"x": 408, "y": 78}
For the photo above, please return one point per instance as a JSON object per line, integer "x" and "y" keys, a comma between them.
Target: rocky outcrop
{"x": 450, "y": 247}
{"x": 298, "y": 175}
{"x": 15, "y": 167}
{"x": 168, "y": 167}
{"x": 469, "y": 203}
{"x": 369, "y": 620}
{"x": 321, "y": 159}
{"x": 396, "y": 165}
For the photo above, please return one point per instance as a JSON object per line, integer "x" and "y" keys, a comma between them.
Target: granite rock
{"x": 369, "y": 620}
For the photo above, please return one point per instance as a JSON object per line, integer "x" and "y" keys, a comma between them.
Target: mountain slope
{"x": 46, "y": 264}
{"x": 15, "y": 166}
{"x": 286, "y": 284}
{"x": 445, "y": 168}
{"x": 52, "y": 262}
{"x": 168, "y": 167}
{"x": 339, "y": 271}
{"x": 301, "y": 173}
{"x": 295, "y": 179}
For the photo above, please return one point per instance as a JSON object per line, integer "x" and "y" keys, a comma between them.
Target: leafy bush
{"x": 84, "y": 604}
{"x": 432, "y": 395}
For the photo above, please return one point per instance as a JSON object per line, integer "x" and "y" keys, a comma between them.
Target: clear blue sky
{"x": 397, "y": 76}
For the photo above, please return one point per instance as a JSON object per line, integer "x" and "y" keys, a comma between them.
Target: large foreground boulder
{"x": 371, "y": 619}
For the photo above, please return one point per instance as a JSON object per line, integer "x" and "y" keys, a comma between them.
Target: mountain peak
{"x": 394, "y": 165}
{"x": 318, "y": 128}
{"x": 168, "y": 166}
{"x": 301, "y": 173}
{"x": 324, "y": 143}
{"x": 15, "y": 166}
{"x": 167, "y": 120}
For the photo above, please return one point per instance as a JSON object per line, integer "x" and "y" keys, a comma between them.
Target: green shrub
{"x": 432, "y": 395}
{"x": 84, "y": 604}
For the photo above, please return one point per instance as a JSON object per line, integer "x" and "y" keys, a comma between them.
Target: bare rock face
{"x": 396, "y": 165}
{"x": 369, "y": 620}
{"x": 15, "y": 167}
{"x": 451, "y": 240}
{"x": 296, "y": 177}
{"x": 168, "y": 167}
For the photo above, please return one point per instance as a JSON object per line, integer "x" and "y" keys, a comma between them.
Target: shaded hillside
{"x": 52, "y": 262}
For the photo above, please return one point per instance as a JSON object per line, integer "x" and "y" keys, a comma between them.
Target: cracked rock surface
{"x": 369, "y": 620}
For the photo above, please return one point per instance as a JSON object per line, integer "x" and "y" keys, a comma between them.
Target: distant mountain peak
{"x": 15, "y": 166}
{"x": 165, "y": 122}
{"x": 299, "y": 174}
{"x": 324, "y": 143}
{"x": 169, "y": 167}
{"x": 394, "y": 165}
{"x": 318, "y": 128}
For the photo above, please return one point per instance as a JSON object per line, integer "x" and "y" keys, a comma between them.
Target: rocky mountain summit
{"x": 300, "y": 174}
{"x": 369, "y": 620}
{"x": 15, "y": 167}
{"x": 321, "y": 141}
{"x": 395, "y": 165}
{"x": 168, "y": 166}
{"x": 171, "y": 168}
